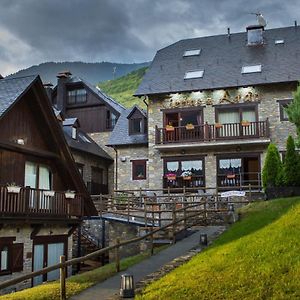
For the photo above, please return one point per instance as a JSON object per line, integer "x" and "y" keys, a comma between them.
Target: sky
{"x": 126, "y": 31}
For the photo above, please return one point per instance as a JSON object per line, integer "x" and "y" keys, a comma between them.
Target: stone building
{"x": 214, "y": 105}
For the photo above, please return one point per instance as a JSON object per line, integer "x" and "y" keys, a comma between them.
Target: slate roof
{"x": 120, "y": 135}
{"x": 84, "y": 143}
{"x": 222, "y": 59}
{"x": 70, "y": 121}
{"x": 110, "y": 101}
{"x": 13, "y": 88}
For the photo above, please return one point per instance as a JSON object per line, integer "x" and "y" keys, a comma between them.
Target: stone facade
{"x": 22, "y": 234}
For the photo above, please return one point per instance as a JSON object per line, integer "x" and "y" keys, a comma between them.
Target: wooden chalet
{"x": 42, "y": 195}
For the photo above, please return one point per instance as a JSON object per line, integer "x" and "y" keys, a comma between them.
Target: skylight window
{"x": 192, "y": 52}
{"x": 194, "y": 74}
{"x": 251, "y": 69}
{"x": 278, "y": 42}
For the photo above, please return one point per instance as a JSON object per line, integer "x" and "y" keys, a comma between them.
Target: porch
{"x": 29, "y": 202}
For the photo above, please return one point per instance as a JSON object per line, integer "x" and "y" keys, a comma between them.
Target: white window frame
{"x": 194, "y": 74}
{"x": 251, "y": 69}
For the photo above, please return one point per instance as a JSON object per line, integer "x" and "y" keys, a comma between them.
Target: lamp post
{"x": 127, "y": 286}
{"x": 203, "y": 239}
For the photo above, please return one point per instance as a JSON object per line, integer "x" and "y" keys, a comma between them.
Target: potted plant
{"x": 187, "y": 175}
{"x": 171, "y": 176}
{"x": 230, "y": 176}
{"x": 245, "y": 123}
{"x": 70, "y": 194}
{"x": 218, "y": 125}
{"x": 49, "y": 193}
{"x": 169, "y": 128}
{"x": 189, "y": 126}
{"x": 13, "y": 188}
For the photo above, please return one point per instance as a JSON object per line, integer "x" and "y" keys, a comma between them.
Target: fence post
{"x": 117, "y": 255}
{"x": 174, "y": 226}
{"x": 250, "y": 192}
{"x": 62, "y": 278}
{"x": 184, "y": 211}
{"x": 151, "y": 241}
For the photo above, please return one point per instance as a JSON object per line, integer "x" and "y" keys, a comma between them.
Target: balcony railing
{"x": 180, "y": 182}
{"x": 215, "y": 132}
{"x": 239, "y": 179}
{"x": 39, "y": 203}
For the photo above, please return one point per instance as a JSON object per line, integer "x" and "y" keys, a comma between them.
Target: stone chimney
{"x": 48, "y": 88}
{"x": 61, "y": 96}
{"x": 255, "y": 35}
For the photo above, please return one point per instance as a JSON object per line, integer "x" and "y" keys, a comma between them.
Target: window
{"x": 80, "y": 168}
{"x": 251, "y": 69}
{"x": 184, "y": 117}
{"x": 11, "y": 256}
{"x": 278, "y": 42}
{"x": 194, "y": 74}
{"x": 139, "y": 169}
{"x": 282, "y": 105}
{"x": 111, "y": 120}
{"x": 38, "y": 176}
{"x": 74, "y": 133}
{"x": 77, "y": 96}
{"x": 192, "y": 52}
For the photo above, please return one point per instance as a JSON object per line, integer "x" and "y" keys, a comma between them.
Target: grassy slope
{"x": 122, "y": 89}
{"x": 258, "y": 258}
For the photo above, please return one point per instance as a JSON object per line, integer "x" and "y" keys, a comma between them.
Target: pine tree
{"x": 291, "y": 164}
{"x": 272, "y": 174}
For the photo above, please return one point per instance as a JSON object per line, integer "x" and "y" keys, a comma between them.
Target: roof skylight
{"x": 194, "y": 74}
{"x": 191, "y": 52}
{"x": 251, "y": 69}
{"x": 277, "y": 42}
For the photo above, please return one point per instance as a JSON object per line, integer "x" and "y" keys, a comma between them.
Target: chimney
{"x": 61, "y": 95}
{"x": 48, "y": 88}
{"x": 255, "y": 35}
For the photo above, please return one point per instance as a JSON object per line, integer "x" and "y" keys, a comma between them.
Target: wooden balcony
{"x": 206, "y": 133}
{"x": 180, "y": 182}
{"x": 236, "y": 180}
{"x": 30, "y": 202}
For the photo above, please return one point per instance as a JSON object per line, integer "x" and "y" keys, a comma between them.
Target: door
{"x": 251, "y": 171}
{"x": 54, "y": 253}
{"x": 38, "y": 263}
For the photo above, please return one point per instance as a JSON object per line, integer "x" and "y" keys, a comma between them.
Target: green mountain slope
{"x": 257, "y": 258}
{"x": 123, "y": 88}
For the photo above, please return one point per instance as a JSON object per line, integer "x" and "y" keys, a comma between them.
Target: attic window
{"x": 251, "y": 69}
{"x": 74, "y": 133}
{"x": 194, "y": 74}
{"x": 192, "y": 52}
{"x": 278, "y": 42}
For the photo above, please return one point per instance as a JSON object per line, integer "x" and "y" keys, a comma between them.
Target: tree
{"x": 272, "y": 174}
{"x": 291, "y": 164}
{"x": 293, "y": 112}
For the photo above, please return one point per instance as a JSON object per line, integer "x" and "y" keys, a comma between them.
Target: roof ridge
{"x": 19, "y": 77}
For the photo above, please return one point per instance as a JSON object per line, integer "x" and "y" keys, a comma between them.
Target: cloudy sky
{"x": 35, "y": 31}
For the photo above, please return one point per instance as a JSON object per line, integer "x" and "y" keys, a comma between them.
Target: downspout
{"x": 116, "y": 168}
{"x": 144, "y": 100}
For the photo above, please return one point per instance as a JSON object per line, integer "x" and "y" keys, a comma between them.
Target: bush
{"x": 291, "y": 164}
{"x": 272, "y": 171}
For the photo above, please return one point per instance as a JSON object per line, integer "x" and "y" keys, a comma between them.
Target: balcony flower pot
{"x": 171, "y": 176}
{"x": 189, "y": 126}
{"x": 13, "y": 189}
{"x": 230, "y": 176}
{"x": 49, "y": 193}
{"x": 70, "y": 195}
{"x": 187, "y": 177}
{"x": 169, "y": 128}
{"x": 218, "y": 125}
{"x": 245, "y": 123}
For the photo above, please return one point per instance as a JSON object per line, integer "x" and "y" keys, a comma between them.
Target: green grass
{"x": 123, "y": 88}
{"x": 257, "y": 258}
{"x": 76, "y": 283}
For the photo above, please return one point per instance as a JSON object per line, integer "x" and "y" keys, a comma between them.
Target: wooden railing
{"x": 185, "y": 214}
{"x": 239, "y": 179}
{"x": 212, "y": 132}
{"x": 196, "y": 181}
{"x": 36, "y": 202}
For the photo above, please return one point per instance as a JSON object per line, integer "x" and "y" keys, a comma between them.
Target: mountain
{"x": 123, "y": 88}
{"x": 91, "y": 72}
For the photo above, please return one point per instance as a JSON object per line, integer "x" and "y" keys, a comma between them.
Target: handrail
{"x": 109, "y": 248}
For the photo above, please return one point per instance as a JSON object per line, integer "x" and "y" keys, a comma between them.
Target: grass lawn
{"x": 257, "y": 258}
{"x": 76, "y": 283}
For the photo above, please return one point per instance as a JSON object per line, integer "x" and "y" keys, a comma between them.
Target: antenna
{"x": 114, "y": 72}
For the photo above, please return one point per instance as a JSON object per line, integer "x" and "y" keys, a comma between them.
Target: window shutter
{"x": 17, "y": 257}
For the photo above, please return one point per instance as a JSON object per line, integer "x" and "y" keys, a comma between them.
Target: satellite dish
{"x": 261, "y": 20}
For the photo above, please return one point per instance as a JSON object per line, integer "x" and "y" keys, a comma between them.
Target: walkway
{"x": 110, "y": 287}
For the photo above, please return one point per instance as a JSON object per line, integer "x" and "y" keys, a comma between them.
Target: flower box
{"x": 189, "y": 127}
{"x": 13, "y": 189}
{"x": 187, "y": 177}
{"x": 171, "y": 176}
{"x": 49, "y": 193}
{"x": 218, "y": 125}
{"x": 245, "y": 123}
{"x": 70, "y": 195}
{"x": 230, "y": 176}
{"x": 169, "y": 128}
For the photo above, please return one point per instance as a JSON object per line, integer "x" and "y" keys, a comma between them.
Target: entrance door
{"x": 251, "y": 171}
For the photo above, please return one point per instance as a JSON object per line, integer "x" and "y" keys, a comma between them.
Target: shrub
{"x": 291, "y": 164}
{"x": 272, "y": 171}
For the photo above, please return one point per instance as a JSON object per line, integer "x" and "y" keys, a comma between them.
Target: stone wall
{"x": 22, "y": 234}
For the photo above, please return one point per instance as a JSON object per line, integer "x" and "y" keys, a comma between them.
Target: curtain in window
{"x": 188, "y": 165}
{"x": 172, "y": 166}
{"x": 249, "y": 115}
{"x": 228, "y": 117}
{"x": 54, "y": 252}
{"x": 230, "y": 163}
{"x": 30, "y": 174}
{"x": 44, "y": 178}
{"x": 38, "y": 260}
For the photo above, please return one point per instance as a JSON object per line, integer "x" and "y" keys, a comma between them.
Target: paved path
{"x": 111, "y": 287}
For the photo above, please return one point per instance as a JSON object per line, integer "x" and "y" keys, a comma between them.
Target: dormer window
{"x": 77, "y": 96}
{"x": 74, "y": 133}
{"x": 136, "y": 126}
{"x": 137, "y": 121}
